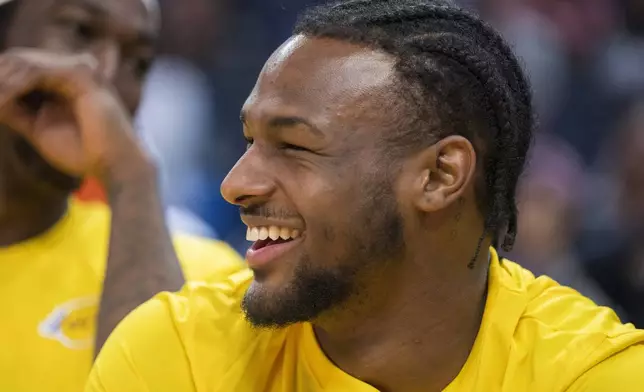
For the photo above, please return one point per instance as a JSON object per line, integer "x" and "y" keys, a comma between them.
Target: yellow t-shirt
{"x": 536, "y": 336}
{"x": 49, "y": 291}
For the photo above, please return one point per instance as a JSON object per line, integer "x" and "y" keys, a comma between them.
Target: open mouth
{"x": 259, "y": 244}
{"x": 270, "y": 245}
{"x": 264, "y": 236}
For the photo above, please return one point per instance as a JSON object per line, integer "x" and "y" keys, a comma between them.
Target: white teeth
{"x": 274, "y": 232}
{"x": 252, "y": 234}
{"x": 285, "y": 233}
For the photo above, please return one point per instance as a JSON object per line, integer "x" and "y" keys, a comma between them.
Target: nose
{"x": 248, "y": 181}
{"x": 108, "y": 55}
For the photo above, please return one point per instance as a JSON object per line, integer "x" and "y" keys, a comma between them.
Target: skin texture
{"x": 90, "y": 57}
{"x": 381, "y": 269}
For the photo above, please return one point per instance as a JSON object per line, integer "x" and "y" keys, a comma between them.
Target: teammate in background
{"x": 66, "y": 97}
{"x": 386, "y": 139}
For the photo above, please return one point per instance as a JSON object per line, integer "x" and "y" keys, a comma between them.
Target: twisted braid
{"x": 466, "y": 73}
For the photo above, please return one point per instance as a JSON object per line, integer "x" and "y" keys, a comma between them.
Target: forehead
{"x": 322, "y": 80}
{"x": 144, "y": 12}
{"x": 139, "y": 17}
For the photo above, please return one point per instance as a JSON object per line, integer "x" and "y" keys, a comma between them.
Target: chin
{"x": 307, "y": 295}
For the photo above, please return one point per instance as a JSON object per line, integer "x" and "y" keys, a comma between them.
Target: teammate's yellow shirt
{"x": 49, "y": 291}
{"x": 536, "y": 336}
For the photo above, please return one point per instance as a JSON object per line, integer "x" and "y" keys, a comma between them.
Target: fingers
{"x": 30, "y": 78}
{"x": 15, "y": 81}
{"x": 56, "y": 102}
{"x": 46, "y": 59}
{"x": 70, "y": 76}
{"x": 26, "y": 70}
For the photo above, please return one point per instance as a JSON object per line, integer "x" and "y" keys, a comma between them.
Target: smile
{"x": 270, "y": 243}
{"x": 274, "y": 233}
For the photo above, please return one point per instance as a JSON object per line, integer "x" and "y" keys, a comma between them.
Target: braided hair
{"x": 455, "y": 68}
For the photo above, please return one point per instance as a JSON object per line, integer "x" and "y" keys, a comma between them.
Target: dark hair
{"x": 7, "y": 12}
{"x": 456, "y": 68}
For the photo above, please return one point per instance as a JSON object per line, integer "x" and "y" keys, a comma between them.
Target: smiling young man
{"x": 386, "y": 139}
{"x": 53, "y": 249}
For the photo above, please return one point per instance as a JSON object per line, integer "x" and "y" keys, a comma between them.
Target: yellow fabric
{"x": 49, "y": 291}
{"x": 535, "y": 336}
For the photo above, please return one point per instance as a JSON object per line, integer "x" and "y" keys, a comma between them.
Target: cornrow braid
{"x": 465, "y": 74}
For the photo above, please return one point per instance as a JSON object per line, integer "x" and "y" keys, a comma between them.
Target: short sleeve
{"x": 144, "y": 353}
{"x": 623, "y": 372}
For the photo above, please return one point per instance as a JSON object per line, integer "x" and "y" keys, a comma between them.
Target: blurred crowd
{"x": 581, "y": 199}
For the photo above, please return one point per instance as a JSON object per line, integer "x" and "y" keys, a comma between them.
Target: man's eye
{"x": 142, "y": 66}
{"x": 83, "y": 30}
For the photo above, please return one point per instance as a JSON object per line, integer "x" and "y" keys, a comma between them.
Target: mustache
{"x": 264, "y": 211}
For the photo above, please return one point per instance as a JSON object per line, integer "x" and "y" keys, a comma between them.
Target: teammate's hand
{"x": 75, "y": 121}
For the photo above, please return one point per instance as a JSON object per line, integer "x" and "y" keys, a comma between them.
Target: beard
{"x": 375, "y": 238}
{"x": 312, "y": 292}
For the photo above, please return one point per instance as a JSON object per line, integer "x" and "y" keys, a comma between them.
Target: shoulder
{"x": 206, "y": 260}
{"x": 620, "y": 372}
{"x": 127, "y": 360}
{"x": 214, "y": 304}
{"x": 559, "y": 308}
{"x": 566, "y": 334}
{"x": 201, "y": 328}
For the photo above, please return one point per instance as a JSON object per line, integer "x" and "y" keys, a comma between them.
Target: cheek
{"x": 347, "y": 218}
{"x": 130, "y": 91}
{"x": 325, "y": 211}
{"x": 327, "y": 208}
{"x": 315, "y": 189}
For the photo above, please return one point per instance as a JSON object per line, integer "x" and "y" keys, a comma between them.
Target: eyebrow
{"x": 92, "y": 6}
{"x": 98, "y": 9}
{"x": 277, "y": 122}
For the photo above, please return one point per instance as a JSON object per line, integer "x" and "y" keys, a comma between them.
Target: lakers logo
{"x": 72, "y": 323}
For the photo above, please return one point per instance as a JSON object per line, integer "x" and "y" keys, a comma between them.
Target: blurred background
{"x": 581, "y": 199}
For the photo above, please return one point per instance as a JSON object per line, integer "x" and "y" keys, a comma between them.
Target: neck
{"x": 23, "y": 218}
{"x": 415, "y": 329}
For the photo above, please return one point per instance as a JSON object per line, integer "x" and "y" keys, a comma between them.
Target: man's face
{"x": 316, "y": 168}
{"x": 120, "y": 34}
